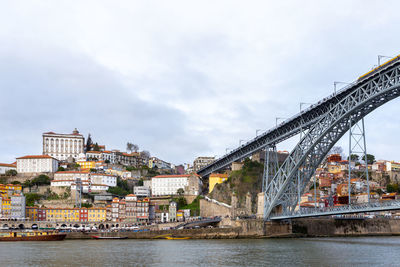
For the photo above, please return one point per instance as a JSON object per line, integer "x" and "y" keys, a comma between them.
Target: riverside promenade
{"x": 255, "y": 228}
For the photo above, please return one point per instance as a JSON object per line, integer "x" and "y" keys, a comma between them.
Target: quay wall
{"x": 203, "y": 233}
{"x": 345, "y": 227}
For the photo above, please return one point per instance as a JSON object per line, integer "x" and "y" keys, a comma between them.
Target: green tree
{"x": 181, "y": 201}
{"x": 107, "y": 161}
{"x": 96, "y": 147}
{"x": 354, "y": 157}
{"x": 391, "y": 188}
{"x": 15, "y": 182}
{"x": 30, "y": 199}
{"x": 180, "y": 191}
{"x": 61, "y": 169}
{"x": 41, "y": 180}
{"x": 140, "y": 183}
{"x": 122, "y": 188}
{"x": 370, "y": 159}
{"x": 89, "y": 143}
{"x": 11, "y": 173}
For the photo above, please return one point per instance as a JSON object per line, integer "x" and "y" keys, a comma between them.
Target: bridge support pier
{"x": 357, "y": 147}
{"x": 271, "y": 167}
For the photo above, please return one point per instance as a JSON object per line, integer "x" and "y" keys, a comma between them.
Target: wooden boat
{"x": 177, "y": 238}
{"x": 108, "y": 237}
{"x": 32, "y": 236}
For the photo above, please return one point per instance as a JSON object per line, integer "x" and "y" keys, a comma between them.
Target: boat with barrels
{"x": 32, "y": 236}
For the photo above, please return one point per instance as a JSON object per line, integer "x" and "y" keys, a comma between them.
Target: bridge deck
{"x": 372, "y": 207}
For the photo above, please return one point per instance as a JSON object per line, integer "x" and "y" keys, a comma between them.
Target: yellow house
{"x": 87, "y": 164}
{"x": 62, "y": 214}
{"x": 6, "y": 207}
{"x": 216, "y": 178}
{"x": 96, "y": 214}
{"x": 32, "y": 213}
{"x": 71, "y": 215}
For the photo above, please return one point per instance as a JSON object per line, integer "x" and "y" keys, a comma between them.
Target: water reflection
{"x": 248, "y": 252}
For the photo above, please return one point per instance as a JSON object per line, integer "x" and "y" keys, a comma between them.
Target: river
{"x": 370, "y": 251}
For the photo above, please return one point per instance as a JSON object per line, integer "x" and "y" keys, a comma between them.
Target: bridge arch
{"x": 314, "y": 146}
{"x": 34, "y": 226}
{"x": 21, "y": 226}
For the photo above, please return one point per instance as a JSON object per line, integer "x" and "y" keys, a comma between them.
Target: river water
{"x": 366, "y": 251}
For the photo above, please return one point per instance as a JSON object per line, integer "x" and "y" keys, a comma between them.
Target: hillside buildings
{"x": 164, "y": 185}
{"x": 129, "y": 209}
{"x": 202, "y": 162}
{"x": 71, "y": 215}
{"x": 91, "y": 182}
{"x": 4, "y": 167}
{"x": 12, "y": 202}
{"x": 37, "y": 164}
{"x": 63, "y": 146}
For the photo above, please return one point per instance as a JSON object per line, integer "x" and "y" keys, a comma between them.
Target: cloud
{"x": 182, "y": 78}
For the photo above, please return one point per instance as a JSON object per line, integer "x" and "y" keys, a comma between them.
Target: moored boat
{"x": 177, "y": 238}
{"x": 32, "y": 236}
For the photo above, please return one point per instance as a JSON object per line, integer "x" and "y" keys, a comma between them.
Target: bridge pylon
{"x": 357, "y": 148}
{"x": 271, "y": 167}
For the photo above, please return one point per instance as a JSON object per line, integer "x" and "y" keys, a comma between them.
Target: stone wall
{"x": 36, "y": 189}
{"x": 345, "y": 227}
{"x": 190, "y": 198}
{"x": 210, "y": 209}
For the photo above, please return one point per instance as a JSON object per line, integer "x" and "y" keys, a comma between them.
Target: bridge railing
{"x": 320, "y": 211}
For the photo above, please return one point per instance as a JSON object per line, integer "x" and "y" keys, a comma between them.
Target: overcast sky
{"x": 184, "y": 78}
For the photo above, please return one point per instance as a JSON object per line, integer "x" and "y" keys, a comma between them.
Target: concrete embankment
{"x": 345, "y": 227}
{"x": 203, "y": 233}
{"x": 317, "y": 227}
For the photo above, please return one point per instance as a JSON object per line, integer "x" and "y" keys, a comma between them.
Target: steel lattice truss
{"x": 300, "y": 122}
{"x": 281, "y": 193}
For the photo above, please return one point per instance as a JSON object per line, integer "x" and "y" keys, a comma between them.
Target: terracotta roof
{"x": 61, "y": 172}
{"x": 173, "y": 175}
{"x": 37, "y": 157}
{"x": 63, "y": 134}
{"x": 7, "y": 165}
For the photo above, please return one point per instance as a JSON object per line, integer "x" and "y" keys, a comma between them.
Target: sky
{"x": 184, "y": 79}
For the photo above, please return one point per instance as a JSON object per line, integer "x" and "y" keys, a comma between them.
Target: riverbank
{"x": 202, "y": 233}
{"x": 234, "y": 229}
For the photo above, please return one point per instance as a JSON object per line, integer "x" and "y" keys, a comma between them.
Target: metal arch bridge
{"x": 326, "y": 123}
{"x": 290, "y": 127}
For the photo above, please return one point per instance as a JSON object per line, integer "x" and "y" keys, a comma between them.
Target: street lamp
{"x": 336, "y": 83}
{"x": 257, "y": 132}
{"x": 240, "y": 141}
{"x": 380, "y": 57}
{"x": 226, "y": 150}
{"x": 303, "y": 103}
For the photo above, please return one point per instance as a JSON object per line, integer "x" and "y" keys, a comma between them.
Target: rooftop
{"x": 37, "y": 157}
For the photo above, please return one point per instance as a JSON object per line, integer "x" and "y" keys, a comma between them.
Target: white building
{"x": 141, "y": 191}
{"x": 163, "y": 185}
{"x": 66, "y": 178}
{"x": 37, "y": 164}
{"x": 4, "y": 167}
{"x": 63, "y": 146}
{"x": 18, "y": 206}
{"x": 93, "y": 187}
{"x": 94, "y": 155}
